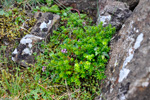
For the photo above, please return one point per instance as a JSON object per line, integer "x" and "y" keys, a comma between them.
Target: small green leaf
{"x": 68, "y": 72}
{"x": 106, "y": 54}
{"x": 49, "y": 2}
{"x": 54, "y": 9}
{"x": 45, "y": 9}
{"x": 65, "y": 14}
{"x": 87, "y": 65}
{"x": 2, "y": 12}
{"x": 77, "y": 67}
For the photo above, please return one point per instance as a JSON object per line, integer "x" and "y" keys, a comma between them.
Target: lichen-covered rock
{"x": 45, "y": 24}
{"x": 42, "y": 30}
{"x": 113, "y": 12}
{"x": 128, "y": 71}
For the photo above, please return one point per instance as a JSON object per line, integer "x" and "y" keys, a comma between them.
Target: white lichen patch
{"x": 137, "y": 31}
{"x": 104, "y": 19}
{"x": 145, "y": 84}
{"x": 129, "y": 58}
{"x": 138, "y": 41}
{"x": 129, "y": 38}
{"x": 26, "y": 51}
{"x": 116, "y": 63}
{"x": 15, "y": 51}
{"x": 13, "y": 59}
{"x": 134, "y": 29}
{"x": 49, "y": 22}
{"x": 36, "y": 37}
{"x": 101, "y": 96}
{"x": 25, "y": 41}
{"x": 28, "y": 39}
{"x": 123, "y": 26}
{"x": 30, "y": 45}
{"x": 131, "y": 24}
{"x": 43, "y": 25}
{"x": 124, "y": 71}
{"x": 111, "y": 88}
{"x": 123, "y": 74}
{"x": 139, "y": 19}
{"x": 122, "y": 97}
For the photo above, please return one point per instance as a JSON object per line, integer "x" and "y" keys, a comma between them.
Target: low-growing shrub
{"x": 77, "y": 53}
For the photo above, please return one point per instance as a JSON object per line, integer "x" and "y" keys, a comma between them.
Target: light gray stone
{"x": 42, "y": 30}
{"x": 128, "y": 70}
{"x": 113, "y": 12}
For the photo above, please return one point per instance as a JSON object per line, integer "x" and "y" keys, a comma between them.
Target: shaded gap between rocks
{"x": 134, "y": 5}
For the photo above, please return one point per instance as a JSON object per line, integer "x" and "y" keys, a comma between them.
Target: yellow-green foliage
{"x": 11, "y": 24}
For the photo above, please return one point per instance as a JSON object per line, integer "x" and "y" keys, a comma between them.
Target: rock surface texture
{"x": 131, "y": 3}
{"x": 113, "y": 12}
{"x": 128, "y": 71}
{"x": 42, "y": 30}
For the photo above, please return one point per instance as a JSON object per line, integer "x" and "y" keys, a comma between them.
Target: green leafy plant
{"x": 53, "y": 9}
{"x": 77, "y": 53}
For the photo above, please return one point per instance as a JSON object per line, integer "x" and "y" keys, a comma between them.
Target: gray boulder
{"x": 128, "y": 70}
{"x": 42, "y": 30}
{"x": 113, "y": 12}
